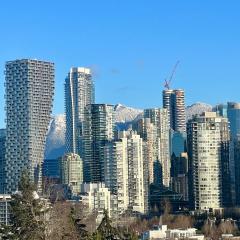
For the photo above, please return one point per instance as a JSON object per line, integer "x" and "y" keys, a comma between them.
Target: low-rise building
{"x": 96, "y": 197}
{"x": 71, "y": 171}
{"x": 162, "y": 232}
{"x": 5, "y": 209}
{"x": 158, "y": 232}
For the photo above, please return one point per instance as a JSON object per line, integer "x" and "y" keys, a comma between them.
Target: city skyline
{"x": 131, "y": 48}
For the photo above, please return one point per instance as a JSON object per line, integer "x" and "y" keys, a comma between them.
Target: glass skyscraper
{"x": 99, "y": 124}
{"x": 233, "y": 112}
{"x": 79, "y": 92}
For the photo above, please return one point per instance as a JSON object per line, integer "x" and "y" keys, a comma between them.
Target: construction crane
{"x": 168, "y": 81}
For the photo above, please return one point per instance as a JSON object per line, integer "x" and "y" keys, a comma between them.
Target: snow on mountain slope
{"x": 55, "y": 143}
{"x": 197, "y": 108}
{"x": 126, "y": 114}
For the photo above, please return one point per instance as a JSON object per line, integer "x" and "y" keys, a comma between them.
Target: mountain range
{"x": 55, "y": 142}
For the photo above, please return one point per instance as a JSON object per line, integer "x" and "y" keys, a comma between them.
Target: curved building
{"x": 29, "y": 99}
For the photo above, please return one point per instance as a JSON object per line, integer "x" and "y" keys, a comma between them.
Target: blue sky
{"x": 131, "y": 45}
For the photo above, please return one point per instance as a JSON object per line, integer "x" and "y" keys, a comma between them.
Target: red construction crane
{"x": 168, "y": 81}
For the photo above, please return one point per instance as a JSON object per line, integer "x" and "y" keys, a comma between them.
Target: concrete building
{"x": 71, "y": 171}
{"x": 159, "y": 118}
{"x": 148, "y": 132}
{"x": 99, "y": 127}
{"x": 135, "y": 172}
{"x": 124, "y": 172}
{"x": 96, "y": 197}
{"x": 5, "y": 214}
{"x": 29, "y": 98}
{"x": 2, "y": 159}
{"x": 174, "y": 102}
{"x": 157, "y": 233}
{"x": 116, "y": 172}
{"x": 79, "y": 92}
{"x": 208, "y": 146}
{"x": 162, "y": 232}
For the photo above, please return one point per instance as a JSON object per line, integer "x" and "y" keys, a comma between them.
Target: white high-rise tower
{"x": 29, "y": 99}
{"x": 79, "y": 92}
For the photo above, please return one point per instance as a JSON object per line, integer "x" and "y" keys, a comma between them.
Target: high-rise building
{"x": 178, "y": 143}
{"x": 233, "y": 113}
{"x": 159, "y": 118}
{"x": 98, "y": 129}
{"x": 2, "y": 159}
{"x": 29, "y": 98}
{"x": 208, "y": 146}
{"x": 135, "y": 172}
{"x": 51, "y": 168}
{"x": 179, "y": 174}
{"x": 124, "y": 172}
{"x": 148, "y": 133}
{"x": 79, "y": 92}
{"x": 71, "y": 171}
{"x": 221, "y": 110}
{"x": 116, "y": 172}
{"x": 174, "y": 102}
{"x": 97, "y": 198}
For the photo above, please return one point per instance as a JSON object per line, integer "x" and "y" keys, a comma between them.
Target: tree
{"x": 61, "y": 224}
{"x": 76, "y": 219}
{"x": 105, "y": 231}
{"x": 28, "y": 212}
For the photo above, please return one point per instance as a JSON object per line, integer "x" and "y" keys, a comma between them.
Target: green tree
{"x": 105, "y": 230}
{"x": 28, "y": 212}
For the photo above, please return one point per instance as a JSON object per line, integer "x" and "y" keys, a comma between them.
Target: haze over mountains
{"x": 55, "y": 143}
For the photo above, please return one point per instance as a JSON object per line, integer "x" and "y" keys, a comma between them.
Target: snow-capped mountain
{"x": 197, "y": 108}
{"x": 126, "y": 114}
{"x": 55, "y": 143}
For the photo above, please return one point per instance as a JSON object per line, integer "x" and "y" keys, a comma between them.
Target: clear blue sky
{"x": 132, "y": 46}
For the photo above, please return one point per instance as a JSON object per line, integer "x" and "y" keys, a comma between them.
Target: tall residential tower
{"x": 174, "y": 102}
{"x": 98, "y": 130}
{"x": 208, "y": 144}
{"x": 79, "y": 92}
{"x": 29, "y": 99}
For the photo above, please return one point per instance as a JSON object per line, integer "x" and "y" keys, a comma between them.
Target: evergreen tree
{"x": 106, "y": 231}
{"x": 28, "y": 212}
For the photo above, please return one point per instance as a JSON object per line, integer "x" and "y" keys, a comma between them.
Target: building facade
{"x": 116, "y": 172}
{"x": 159, "y": 118}
{"x": 208, "y": 146}
{"x": 99, "y": 127}
{"x": 79, "y": 92}
{"x": 2, "y": 160}
{"x": 29, "y": 98}
{"x": 97, "y": 198}
{"x": 174, "y": 102}
{"x": 233, "y": 113}
{"x": 71, "y": 171}
{"x": 148, "y": 133}
{"x": 5, "y": 209}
